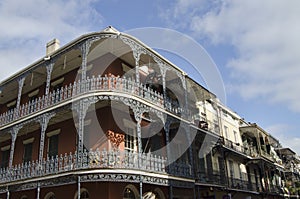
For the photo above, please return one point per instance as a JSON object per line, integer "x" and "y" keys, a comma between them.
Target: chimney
{"x": 52, "y": 46}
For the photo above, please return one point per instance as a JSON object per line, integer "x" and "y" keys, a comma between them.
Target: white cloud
{"x": 266, "y": 36}
{"x": 26, "y": 27}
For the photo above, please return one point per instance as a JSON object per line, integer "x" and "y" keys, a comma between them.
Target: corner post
{"x": 14, "y": 134}
{"x": 44, "y": 120}
{"x": 21, "y": 81}
{"x": 49, "y": 68}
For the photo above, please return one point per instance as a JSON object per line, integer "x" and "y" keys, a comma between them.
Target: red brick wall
{"x": 28, "y": 193}
{"x": 96, "y": 190}
{"x": 19, "y": 147}
{"x": 106, "y": 64}
{"x": 66, "y": 138}
{"x": 61, "y": 192}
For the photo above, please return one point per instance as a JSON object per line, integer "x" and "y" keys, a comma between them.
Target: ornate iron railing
{"x": 214, "y": 178}
{"x": 94, "y": 84}
{"x": 237, "y": 183}
{"x": 247, "y": 150}
{"x": 96, "y": 159}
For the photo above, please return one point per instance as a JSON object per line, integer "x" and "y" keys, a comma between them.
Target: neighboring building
{"x": 107, "y": 117}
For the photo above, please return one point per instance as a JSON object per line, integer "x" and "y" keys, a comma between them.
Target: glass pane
{"x": 5, "y": 158}
{"x": 128, "y": 194}
{"x": 53, "y": 146}
{"x": 27, "y": 152}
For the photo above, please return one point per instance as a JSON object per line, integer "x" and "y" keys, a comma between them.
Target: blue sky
{"x": 255, "y": 45}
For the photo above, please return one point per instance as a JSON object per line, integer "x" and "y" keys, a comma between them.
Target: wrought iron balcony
{"x": 215, "y": 178}
{"x": 237, "y": 183}
{"x": 113, "y": 159}
{"x": 242, "y": 148}
{"x": 94, "y": 84}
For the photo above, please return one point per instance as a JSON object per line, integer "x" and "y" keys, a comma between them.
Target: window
{"x": 84, "y": 195}
{"x": 53, "y": 146}
{"x": 225, "y": 113}
{"x": 240, "y": 171}
{"x": 56, "y": 86}
{"x": 12, "y": 105}
{"x": 128, "y": 194}
{"x": 33, "y": 98}
{"x": 87, "y": 136}
{"x": 33, "y": 95}
{"x": 5, "y": 158}
{"x": 50, "y": 195}
{"x": 231, "y": 168}
{"x": 236, "y": 139}
{"x": 226, "y": 132}
{"x": 130, "y": 140}
{"x": 27, "y": 152}
{"x": 159, "y": 194}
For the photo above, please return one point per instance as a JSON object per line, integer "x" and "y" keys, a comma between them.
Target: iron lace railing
{"x": 94, "y": 84}
{"x": 96, "y": 159}
{"x": 247, "y": 150}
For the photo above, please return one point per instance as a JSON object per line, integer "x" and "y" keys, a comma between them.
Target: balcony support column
{"x": 85, "y": 48}
{"x": 7, "y": 193}
{"x": 49, "y": 68}
{"x": 184, "y": 86}
{"x": 84, "y": 52}
{"x": 188, "y": 136}
{"x": 78, "y": 187}
{"x": 138, "y": 110}
{"x": 138, "y": 117}
{"x": 137, "y": 51}
{"x": 21, "y": 84}
{"x": 163, "y": 71}
{"x": 167, "y": 129}
{"x": 171, "y": 191}
{"x": 38, "y": 190}
{"x": 44, "y": 120}
{"x": 81, "y": 107}
{"x": 141, "y": 187}
{"x": 14, "y": 134}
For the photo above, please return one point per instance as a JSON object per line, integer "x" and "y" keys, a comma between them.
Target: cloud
{"x": 266, "y": 37}
{"x": 26, "y": 27}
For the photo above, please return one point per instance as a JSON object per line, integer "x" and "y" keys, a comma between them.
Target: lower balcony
{"x": 92, "y": 160}
{"x": 237, "y": 183}
{"x": 212, "y": 178}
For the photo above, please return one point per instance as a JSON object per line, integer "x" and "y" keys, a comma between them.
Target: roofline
{"x": 286, "y": 148}
{"x": 78, "y": 40}
{"x": 201, "y": 86}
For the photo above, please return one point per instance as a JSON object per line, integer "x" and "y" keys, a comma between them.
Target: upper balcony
{"x": 84, "y": 67}
{"x": 106, "y": 85}
{"x": 290, "y": 160}
{"x": 246, "y": 150}
{"x": 263, "y": 143}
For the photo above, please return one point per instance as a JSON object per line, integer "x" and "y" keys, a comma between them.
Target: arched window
{"x": 84, "y": 194}
{"x": 158, "y": 193}
{"x": 50, "y": 195}
{"x": 130, "y": 192}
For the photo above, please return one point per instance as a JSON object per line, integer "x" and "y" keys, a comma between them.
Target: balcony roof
{"x": 285, "y": 151}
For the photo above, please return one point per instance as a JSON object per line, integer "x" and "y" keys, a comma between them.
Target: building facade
{"x": 105, "y": 116}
